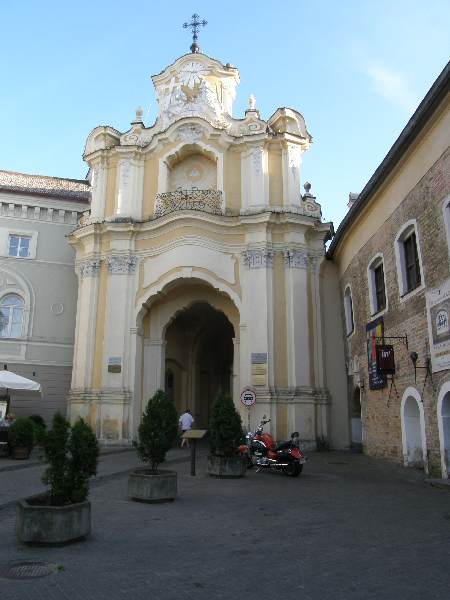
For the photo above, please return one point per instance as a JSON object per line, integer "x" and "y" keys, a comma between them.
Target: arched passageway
{"x": 444, "y": 428}
{"x": 198, "y": 359}
{"x": 413, "y": 430}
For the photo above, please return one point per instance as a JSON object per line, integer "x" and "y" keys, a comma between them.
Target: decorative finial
{"x": 307, "y": 187}
{"x": 251, "y": 102}
{"x": 195, "y": 26}
{"x": 139, "y": 114}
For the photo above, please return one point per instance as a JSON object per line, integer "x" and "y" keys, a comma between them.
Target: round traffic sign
{"x": 248, "y": 397}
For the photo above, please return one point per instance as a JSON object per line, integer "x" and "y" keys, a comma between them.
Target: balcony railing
{"x": 209, "y": 201}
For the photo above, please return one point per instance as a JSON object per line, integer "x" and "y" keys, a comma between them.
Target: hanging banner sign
{"x": 385, "y": 359}
{"x": 248, "y": 397}
{"x": 375, "y": 332}
{"x": 438, "y": 313}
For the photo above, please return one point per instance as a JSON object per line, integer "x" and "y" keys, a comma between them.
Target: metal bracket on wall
{"x": 403, "y": 339}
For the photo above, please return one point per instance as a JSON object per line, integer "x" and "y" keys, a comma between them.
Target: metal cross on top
{"x": 195, "y": 26}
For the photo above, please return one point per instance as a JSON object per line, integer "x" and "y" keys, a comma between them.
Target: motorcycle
{"x": 263, "y": 452}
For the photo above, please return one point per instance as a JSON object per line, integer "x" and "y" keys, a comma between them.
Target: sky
{"x": 355, "y": 69}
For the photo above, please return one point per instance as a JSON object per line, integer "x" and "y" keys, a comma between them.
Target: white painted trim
{"x": 373, "y": 263}
{"x": 349, "y": 332}
{"x": 400, "y": 260}
{"x": 446, "y": 215}
{"x": 445, "y": 389}
{"x": 412, "y": 392}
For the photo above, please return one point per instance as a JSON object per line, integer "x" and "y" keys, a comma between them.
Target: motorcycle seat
{"x": 283, "y": 445}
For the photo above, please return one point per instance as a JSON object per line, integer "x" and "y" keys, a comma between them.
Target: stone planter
{"x": 227, "y": 466}
{"x": 39, "y": 523}
{"x": 20, "y": 452}
{"x": 145, "y": 485}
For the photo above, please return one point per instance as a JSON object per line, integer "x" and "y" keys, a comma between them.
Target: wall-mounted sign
{"x": 375, "y": 332}
{"x": 248, "y": 397}
{"x": 259, "y": 368}
{"x": 385, "y": 359}
{"x": 259, "y": 358}
{"x": 438, "y": 312}
{"x": 115, "y": 364}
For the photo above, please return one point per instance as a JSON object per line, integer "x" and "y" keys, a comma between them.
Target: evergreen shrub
{"x": 225, "y": 428}
{"x": 21, "y": 433}
{"x": 158, "y": 429}
{"x": 72, "y": 456}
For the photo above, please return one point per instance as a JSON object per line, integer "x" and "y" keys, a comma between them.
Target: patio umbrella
{"x": 11, "y": 381}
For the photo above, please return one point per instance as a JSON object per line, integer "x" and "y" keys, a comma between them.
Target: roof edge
{"x": 413, "y": 127}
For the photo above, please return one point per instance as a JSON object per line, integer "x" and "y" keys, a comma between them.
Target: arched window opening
{"x": 11, "y": 316}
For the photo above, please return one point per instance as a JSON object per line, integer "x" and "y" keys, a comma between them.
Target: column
{"x": 296, "y": 263}
{"x": 291, "y": 159}
{"x": 85, "y": 328}
{"x": 130, "y": 187}
{"x": 255, "y": 182}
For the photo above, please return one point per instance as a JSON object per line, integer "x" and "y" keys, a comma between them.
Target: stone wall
{"x": 381, "y": 409}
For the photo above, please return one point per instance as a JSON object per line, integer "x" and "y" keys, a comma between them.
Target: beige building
{"x": 201, "y": 266}
{"x": 38, "y": 288}
{"x": 392, "y": 255}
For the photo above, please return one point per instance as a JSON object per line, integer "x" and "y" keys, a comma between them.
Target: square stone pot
{"x": 44, "y": 524}
{"x": 227, "y": 466}
{"x": 145, "y": 485}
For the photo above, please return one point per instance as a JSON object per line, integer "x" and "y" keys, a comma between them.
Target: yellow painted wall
{"x": 279, "y": 325}
{"x": 150, "y": 186}
{"x": 100, "y": 329}
{"x": 275, "y": 177}
{"x": 232, "y": 180}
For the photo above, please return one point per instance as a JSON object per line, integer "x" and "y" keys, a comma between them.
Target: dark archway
{"x": 199, "y": 359}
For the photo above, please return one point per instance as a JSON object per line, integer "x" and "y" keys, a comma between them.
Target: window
{"x": 409, "y": 263}
{"x": 412, "y": 266}
{"x": 348, "y": 310}
{"x": 19, "y": 245}
{"x": 11, "y": 316}
{"x": 377, "y": 285}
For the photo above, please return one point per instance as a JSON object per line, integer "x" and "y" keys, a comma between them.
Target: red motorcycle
{"x": 263, "y": 452}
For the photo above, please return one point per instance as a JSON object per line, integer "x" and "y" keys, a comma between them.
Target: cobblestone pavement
{"x": 349, "y": 528}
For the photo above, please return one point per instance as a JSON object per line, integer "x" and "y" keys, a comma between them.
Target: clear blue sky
{"x": 356, "y": 70}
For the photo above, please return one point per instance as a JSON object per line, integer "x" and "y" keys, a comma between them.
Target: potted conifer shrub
{"x": 21, "y": 437}
{"x": 63, "y": 513}
{"x": 156, "y": 435}
{"x": 225, "y": 436}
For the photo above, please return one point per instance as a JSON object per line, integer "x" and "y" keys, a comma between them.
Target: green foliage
{"x": 39, "y": 428}
{"x": 225, "y": 428}
{"x": 158, "y": 429}
{"x": 72, "y": 455}
{"x": 21, "y": 433}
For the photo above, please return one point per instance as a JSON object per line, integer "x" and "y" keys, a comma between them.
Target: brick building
{"x": 392, "y": 255}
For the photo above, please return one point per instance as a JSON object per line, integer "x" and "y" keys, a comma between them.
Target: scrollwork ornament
{"x": 258, "y": 258}
{"x": 121, "y": 264}
{"x": 90, "y": 268}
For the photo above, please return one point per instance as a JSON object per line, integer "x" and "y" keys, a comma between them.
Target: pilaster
{"x": 291, "y": 160}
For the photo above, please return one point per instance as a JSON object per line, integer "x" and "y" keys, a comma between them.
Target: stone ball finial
{"x": 307, "y": 187}
{"x": 251, "y": 102}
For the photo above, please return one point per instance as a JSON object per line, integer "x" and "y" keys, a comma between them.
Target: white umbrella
{"x": 11, "y": 381}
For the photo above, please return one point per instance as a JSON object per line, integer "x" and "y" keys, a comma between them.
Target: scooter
{"x": 263, "y": 452}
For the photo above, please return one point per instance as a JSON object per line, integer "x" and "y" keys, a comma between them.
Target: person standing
{"x": 185, "y": 422}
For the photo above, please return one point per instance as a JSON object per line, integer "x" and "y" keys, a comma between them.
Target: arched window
{"x": 377, "y": 284}
{"x": 348, "y": 310}
{"x": 11, "y": 315}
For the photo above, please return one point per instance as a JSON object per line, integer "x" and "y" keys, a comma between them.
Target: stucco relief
{"x": 189, "y": 256}
{"x": 189, "y": 133}
{"x": 89, "y": 268}
{"x": 258, "y": 258}
{"x": 121, "y": 264}
{"x": 296, "y": 258}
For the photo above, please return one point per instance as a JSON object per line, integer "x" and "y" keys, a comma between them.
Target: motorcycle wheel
{"x": 292, "y": 469}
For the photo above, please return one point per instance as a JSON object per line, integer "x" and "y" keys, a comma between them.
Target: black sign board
{"x": 385, "y": 359}
{"x": 375, "y": 332}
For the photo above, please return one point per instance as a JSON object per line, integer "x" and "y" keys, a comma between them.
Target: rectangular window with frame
{"x": 412, "y": 265}
{"x": 19, "y": 246}
{"x": 380, "y": 291}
